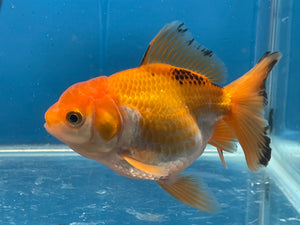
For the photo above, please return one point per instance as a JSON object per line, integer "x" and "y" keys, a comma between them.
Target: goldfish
{"x": 154, "y": 121}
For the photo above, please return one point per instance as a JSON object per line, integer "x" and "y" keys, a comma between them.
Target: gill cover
{"x": 108, "y": 121}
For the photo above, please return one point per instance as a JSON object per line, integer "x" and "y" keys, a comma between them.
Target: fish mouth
{"x": 48, "y": 129}
{"x": 46, "y": 126}
{"x": 52, "y": 131}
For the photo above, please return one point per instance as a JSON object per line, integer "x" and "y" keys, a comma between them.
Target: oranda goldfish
{"x": 153, "y": 121}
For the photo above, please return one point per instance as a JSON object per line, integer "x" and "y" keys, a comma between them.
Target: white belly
{"x": 173, "y": 164}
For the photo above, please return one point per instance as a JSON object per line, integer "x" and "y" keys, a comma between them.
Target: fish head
{"x": 86, "y": 118}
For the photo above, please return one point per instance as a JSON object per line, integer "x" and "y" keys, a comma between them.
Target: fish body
{"x": 166, "y": 106}
{"x": 153, "y": 121}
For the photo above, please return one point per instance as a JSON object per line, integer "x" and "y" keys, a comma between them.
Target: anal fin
{"x": 222, "y": 157}
{"x": 190, "y": 192}
{"x": 223, "y": 137}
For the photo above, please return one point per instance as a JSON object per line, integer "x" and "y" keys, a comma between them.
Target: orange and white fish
{"x": 153, "y": 121}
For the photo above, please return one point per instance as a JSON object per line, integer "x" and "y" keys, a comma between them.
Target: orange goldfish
{"x": 153, "y": 121}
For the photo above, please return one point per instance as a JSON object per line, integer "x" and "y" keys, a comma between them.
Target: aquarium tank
{"x": 46, "y": 46}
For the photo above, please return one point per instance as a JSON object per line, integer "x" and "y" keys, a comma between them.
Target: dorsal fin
{"x": 175, "y": 46}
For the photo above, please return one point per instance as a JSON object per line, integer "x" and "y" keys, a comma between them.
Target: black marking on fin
{"x": 190, "y": 41}
{"x": 266, "y": 149}
{"x": 264, "y": 56}
{"x": 179, "y": 28}
{"x": 270, "y": 119}
{"x": 175, "y": 46}
{"x": 183, "y": 30}
{"x": 272, "y": 64}
{"x": 263, "y": 92}
{"x": 207, "y": 52}
{"x": 180, "y": 25}
{"x": 269, "y": 68}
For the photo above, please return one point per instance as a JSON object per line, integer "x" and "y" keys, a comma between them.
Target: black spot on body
{"x": 181, "y": 75}
{"x": 175, "y": 72}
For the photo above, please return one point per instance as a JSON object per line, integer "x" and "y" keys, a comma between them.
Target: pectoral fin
{"x": 190, "y": 192}
{"x": 152, "y": 169}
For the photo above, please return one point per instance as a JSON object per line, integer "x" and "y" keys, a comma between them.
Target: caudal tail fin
{"x": 248, "y": 98}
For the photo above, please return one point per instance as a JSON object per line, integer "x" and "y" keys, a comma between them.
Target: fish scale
{"x": 169, "y": 110}
{"x": 153, "y": 121}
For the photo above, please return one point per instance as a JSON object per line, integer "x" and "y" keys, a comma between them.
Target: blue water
{"x": 64, "y": 188}
{"x": 46, "y": 46}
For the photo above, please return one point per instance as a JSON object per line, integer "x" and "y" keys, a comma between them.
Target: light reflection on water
{"x": 69, "y": 189}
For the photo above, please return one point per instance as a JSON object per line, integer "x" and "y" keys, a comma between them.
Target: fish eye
{"x": 74, "y": 119}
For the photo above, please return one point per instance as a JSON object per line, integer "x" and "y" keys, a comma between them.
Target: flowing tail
{"x": 248, "y": 98}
